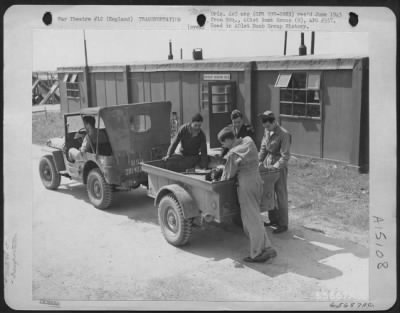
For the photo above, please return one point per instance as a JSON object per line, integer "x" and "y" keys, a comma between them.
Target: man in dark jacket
{"x": 240, "y": 129}
{"x": 275, "y": 153}
{"x": 193, "y": 150}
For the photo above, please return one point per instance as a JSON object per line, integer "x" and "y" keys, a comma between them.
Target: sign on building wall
{"x": 216, "y": 76}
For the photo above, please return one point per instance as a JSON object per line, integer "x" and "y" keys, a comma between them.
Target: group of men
{"x": 242, "y": 160}
{"x": 274, "y": 153}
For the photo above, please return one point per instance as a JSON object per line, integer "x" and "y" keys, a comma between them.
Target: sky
{"x": 58, "y": 48}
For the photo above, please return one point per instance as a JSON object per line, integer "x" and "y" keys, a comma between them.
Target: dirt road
{"x": 82, "y": 253}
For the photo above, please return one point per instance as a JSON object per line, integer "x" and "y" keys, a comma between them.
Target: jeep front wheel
{"x": 175, "y": 228}
{"x": 99, "y": 192}
{"x": 48, "y": 173}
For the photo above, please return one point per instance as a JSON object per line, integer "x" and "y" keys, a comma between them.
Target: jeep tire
{"x": 48, "y": 173}
{"x": 174, "y": 227}
{"x": 99, "y": 192}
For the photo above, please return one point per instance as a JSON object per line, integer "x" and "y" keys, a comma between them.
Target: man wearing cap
{"x": 193, "y": 150}
{"x": 240, "y": 129}
{"x": 275, "y": 152}
{"x": 242, "y": 163}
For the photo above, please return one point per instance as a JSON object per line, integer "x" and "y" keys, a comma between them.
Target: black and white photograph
{"x": 202, "y": 158}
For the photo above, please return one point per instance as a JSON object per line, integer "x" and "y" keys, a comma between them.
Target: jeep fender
{"x": 89, "y": 165}
{"x": 184, "y": 198}
{"x": 58, "y": 157}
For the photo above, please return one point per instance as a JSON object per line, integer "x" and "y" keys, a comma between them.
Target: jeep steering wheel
{"x": 82, "y": 131}
{"x": 80, "y": 134}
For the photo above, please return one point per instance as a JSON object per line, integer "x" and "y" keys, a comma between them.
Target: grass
{"x": 332, "y": 197}
{"x": 45, "y": 128}
{"x": 327, "y": 196}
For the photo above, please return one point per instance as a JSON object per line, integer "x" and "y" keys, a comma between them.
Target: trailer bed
{"x": 218, "y": 199}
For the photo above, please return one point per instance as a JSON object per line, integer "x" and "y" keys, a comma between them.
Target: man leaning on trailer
{"x": 239, "y": 127}
{"x": 193, "y": 150}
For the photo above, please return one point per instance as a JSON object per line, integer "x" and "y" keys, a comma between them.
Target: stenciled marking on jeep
{"x": 135, "y": 167}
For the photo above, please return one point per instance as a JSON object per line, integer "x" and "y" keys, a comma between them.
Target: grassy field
{"x": 332, "y": 198}
{"x": 45, "y": 128}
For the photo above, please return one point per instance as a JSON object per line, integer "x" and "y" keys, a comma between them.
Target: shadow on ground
{"x": 300, "y": 251}
{"x": 135, "y": 204}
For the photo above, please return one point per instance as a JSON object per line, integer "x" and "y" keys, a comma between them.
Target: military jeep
{"x": 134, "y": 133}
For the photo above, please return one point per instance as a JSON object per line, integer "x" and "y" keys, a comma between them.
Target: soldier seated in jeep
{"x": 90, "y": 140}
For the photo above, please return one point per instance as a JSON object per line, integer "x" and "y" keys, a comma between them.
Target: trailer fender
{"x": 190, "y": 209}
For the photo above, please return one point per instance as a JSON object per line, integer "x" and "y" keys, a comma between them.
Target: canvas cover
{"x": 134, "y": 130}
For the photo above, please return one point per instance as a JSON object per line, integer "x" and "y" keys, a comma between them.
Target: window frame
{"x": 204, "y": 95}
{"x": 306, "y": 89}
{"x": 73, "y": 86}
{"x": 136, "y": 115}
{"x": 228, "y": 105}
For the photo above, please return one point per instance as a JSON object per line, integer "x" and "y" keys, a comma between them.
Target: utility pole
{"x": 284, "y": 44}
{"x": 312, "y": 41}
{"x": 86, "y": 75}
{"x": 84, "y": 44}
{"x": 170, "y": 56}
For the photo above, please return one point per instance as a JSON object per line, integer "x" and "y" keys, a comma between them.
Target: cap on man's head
{"x": 197, "y": 118}
{"x": 225, "y": 133}
{"x": 235, "y": 114}
{"x": 268, "y": 114}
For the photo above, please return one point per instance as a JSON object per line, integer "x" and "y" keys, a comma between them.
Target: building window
{"x": 73, "y": 88}
{"x": 300, "y": 94}
{"x": 204, "y": 96}
{"x": 221, "y": 98}
{"x": 140, "y": 123}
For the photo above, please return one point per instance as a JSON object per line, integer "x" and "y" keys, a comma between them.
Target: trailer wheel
{"x": 174, "y": 227}
{"x": 48, "y": 173}
{"x": 99, "y": 192}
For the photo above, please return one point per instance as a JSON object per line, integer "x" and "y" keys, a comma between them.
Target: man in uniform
{"x": 89, "y": 141}
{"x": 240, "y": 129}
{"x": 275, "y": 152}
{"x": 193, "y": 150}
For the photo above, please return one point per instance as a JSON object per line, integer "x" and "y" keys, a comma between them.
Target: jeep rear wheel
{"x": 99, "y": 192}
{"x": 48, "y": 173}
{"x": 174, "y": 227}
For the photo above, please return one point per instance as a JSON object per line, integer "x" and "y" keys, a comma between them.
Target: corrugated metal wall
{"x": 306, "y": 135}
{"x": 136, "y": 87}
{"x": 108, "y": 88}
{"x": 172, "y": 90}
{"x": 339, "y": 115}
{"x": 341, "y": 135}
{"x": 265, "y": 98}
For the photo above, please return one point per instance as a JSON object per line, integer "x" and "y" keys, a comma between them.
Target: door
{"x": 73, "y": 123}
{"x": 221, "y": 102}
